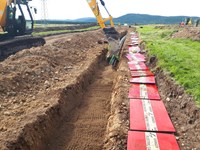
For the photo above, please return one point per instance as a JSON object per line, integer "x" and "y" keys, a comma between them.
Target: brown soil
{"x": 118, "y": 122}
{"x": 84, "y": 127}
{"x": 32, "y": 83}
{"x": 188, "y": 32}
{"x": 45, "y": 98}
{"x": 64, "y": 96}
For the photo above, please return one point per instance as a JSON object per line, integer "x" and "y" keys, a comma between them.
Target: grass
{"x": 64, "y": 31}
{"x": 180, "y": 57}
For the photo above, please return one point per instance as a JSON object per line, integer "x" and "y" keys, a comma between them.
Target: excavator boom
{"x": 95, "y": 9}
{"x": 110, "y": 32}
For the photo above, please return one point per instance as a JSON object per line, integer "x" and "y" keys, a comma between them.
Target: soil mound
{"x": 30, "y": 80}
{"x": 189, "y": 33}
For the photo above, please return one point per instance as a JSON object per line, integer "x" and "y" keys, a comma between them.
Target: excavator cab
{"x": 16, "y": 23}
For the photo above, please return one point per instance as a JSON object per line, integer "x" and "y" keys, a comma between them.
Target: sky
{"x": 74, "y": 9}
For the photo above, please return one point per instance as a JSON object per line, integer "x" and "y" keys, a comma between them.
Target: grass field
{"x": 179, "y": 57}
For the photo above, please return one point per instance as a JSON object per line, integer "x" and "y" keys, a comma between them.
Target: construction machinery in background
{"x": 188, "y": 21}
{"x": 114, "y": 39}
{"x": 17, "y": 29}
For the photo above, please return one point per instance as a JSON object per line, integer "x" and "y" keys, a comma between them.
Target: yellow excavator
{"x": 101, "y": 21}
{"x": 17, "y": 29}
{"x": 114, "y": 39}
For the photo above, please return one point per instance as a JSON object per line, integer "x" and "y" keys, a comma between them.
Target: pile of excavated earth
{"x": 188, "y": 32}
{"x": 64, "y": 95}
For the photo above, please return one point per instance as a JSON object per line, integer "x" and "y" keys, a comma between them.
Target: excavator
{"x": 18, "y": 30}
{"x": 115, "y": 40}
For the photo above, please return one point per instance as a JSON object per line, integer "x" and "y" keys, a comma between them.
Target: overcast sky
{"x": 73, "y": 9}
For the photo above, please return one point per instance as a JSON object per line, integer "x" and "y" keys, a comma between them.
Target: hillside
{"x": 128, "y": 18}
{"x": 142, "y": 19}
{"x": 87, "y": 19}
{"x": 150, "y": 19}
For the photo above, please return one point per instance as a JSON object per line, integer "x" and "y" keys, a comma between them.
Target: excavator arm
{"x": 95, "y": 9}
{"x": 110, "y": 32}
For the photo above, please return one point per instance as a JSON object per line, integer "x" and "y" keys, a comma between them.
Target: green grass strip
{"x": 180, "y": 57}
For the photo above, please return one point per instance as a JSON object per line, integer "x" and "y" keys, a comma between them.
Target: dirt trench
{"x": 38, "y": 87}
{"x": 57, "y": 92}
{"x": 84, "y": 127}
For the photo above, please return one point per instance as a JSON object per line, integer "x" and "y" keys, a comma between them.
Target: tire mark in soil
{"x": 84, "y": 127}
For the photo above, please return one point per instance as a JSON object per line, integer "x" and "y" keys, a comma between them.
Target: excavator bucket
{"x": 115, "y": 42}
{"x": 112, "y": 35}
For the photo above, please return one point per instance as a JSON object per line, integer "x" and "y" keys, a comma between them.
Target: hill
{"x": 142, "y": 19}
{"x": 128, "y": 18}
{"x": 150, "y": 19}
{"x": 87, "y": 19}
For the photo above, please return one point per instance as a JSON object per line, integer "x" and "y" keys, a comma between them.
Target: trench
{"x": 78, "y": 119}
{"x": 76, "y": 98}
{"x": 84, "y": 127}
